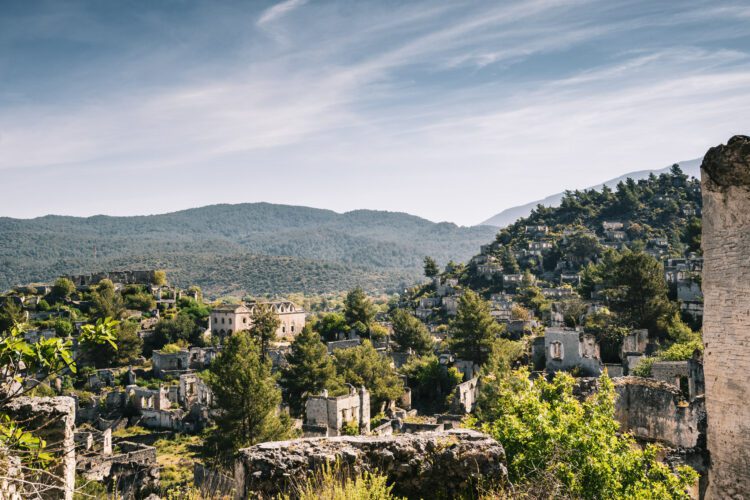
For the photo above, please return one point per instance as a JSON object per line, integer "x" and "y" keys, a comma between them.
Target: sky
{"x": 452, "y": 110}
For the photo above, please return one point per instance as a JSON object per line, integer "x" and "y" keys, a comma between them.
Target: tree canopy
{"x": 311, "y": 369}
{"x": 364, "y": 366}
{"x": 410, "y": 333}
{"x": 246, "y": 398}
{"x": 473, "y": 330}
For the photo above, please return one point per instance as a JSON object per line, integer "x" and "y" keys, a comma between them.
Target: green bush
{"x": 552, "y": 438}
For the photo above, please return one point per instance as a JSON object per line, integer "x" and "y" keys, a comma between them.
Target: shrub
{"x": 334, "y": 483}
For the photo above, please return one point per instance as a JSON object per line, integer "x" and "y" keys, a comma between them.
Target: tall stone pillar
{"x": 726, "y": 321}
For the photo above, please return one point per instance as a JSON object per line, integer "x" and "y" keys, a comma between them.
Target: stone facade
{"x": 464, "y": 396}
{"x": 566, "y": 350}
{"x": 325, "y": 416}
{"x": 726, "y": 322}
{"x": 430, "y": 465}
{"x": 226, "y": 319}
{"x": 170, "y": 363}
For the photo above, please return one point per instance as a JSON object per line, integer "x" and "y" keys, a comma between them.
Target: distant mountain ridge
{"x": 229, "y": 249}
{"x": 510, "y": 215}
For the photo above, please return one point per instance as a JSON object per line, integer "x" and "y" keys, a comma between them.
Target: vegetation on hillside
{"x": 257, "y": 248}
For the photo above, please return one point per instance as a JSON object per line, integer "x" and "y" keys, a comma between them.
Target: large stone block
{"x": 419, "y": 465}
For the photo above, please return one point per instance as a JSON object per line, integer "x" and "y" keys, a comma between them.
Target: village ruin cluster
{"x": 414, "y": 368}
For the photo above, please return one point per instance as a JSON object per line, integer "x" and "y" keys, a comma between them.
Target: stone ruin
{"x": 434, "y": 464}
{"x": 725, "y": 182}
{"x": 132, "y": 467}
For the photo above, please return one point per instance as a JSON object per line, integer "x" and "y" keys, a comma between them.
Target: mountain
{"x": 510, "y": 215}
{"x": 229, "y": 249}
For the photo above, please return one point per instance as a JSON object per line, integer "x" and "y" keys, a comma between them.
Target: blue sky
{"x": 447, "y": 110}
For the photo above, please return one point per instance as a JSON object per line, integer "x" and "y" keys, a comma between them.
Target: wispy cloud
{"x": 278, "y": 11}
{"x": 509, "y": 102}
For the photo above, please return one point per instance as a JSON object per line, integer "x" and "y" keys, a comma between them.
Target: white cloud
{"x": 412, "y": 108}
{"x": 279, "y": 10}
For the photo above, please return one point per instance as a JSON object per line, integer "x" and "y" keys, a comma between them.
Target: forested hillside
{"x": 659, "y": 215}
{"x": 258, "y": 248}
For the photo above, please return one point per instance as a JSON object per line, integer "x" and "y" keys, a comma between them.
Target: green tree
{"x": 310, "y": 370}
{"x": 430, "y": 267}
{"x": 63, "y": 327}
{"x": 432, "y": 384}
{"x": 364, "y": 366}
{"x": 358, "y": 310}
{"x": 140, "y": 301}
{"x": 410, "y": 333}
{"x": 265, "y": 324}
{"x": 638, "y": 290}
{"x": 181, "y": 327}
{"x": 107, "y": 303}
{"x": 246, "y": 399}
{"x": 11, "y": 313}
{"x": 473, "y": 330}
{"x": 558, "y": 445}
{"x": 129, "y": 347}
{"x": 330, "y": 325}
{"x": 63, "y": 288}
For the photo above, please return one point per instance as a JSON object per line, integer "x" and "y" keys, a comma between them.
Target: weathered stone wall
{"x": 656, "y": 411}
{"x": 430, "y": 465}
{"x": 726, "y": 321}
{"x": 52, "y": 419}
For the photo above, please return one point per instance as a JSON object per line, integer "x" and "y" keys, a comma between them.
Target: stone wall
{"x": 726, "y": 321}
{"x": 52, "y": 419}
{"x": 430, "y": 465}
{"x": 656, "y": 411}
{"x": 465, "y": 396}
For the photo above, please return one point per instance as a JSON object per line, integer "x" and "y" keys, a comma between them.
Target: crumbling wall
{"x": 52, "y": 419}
{"x": 430, "y": 465}
{"x": 726, "y": 321}
{"x": 656, "y": 411}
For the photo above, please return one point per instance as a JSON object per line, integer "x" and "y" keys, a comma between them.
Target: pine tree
{"x": 310, "y": 370}
{"x": 474, "y": 330}
{"x": 246, "y": 397}
{"x": 358, "y": 310}
{"x": 364, "y": 366}
{"x": 409, "y": 332}
{"x": 430, "y": 267}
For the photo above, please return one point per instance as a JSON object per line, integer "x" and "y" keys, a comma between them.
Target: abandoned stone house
{"x": 194, "y": 391}
{"x": 170, "y": 363}
{"x": 566, "y": 350}
{"x": 464, "y": 396}
{"x": 634, "y": 343}
{"x": 685, "y": 375}
{"x": 119, "y": 277}
{"x": 450, "y": 305}
{"x": 229, "y": 318}
{"x": 325, "y": 416}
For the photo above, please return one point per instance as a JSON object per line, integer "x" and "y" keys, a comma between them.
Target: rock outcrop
{"x": 726, "y": 320}
{"x": 434, "y": 464}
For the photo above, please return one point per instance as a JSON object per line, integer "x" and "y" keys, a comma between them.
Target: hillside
{"x": 510, "y": 215}
{"x": 257, "y": 248}
{"x": 659, "y": 215}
